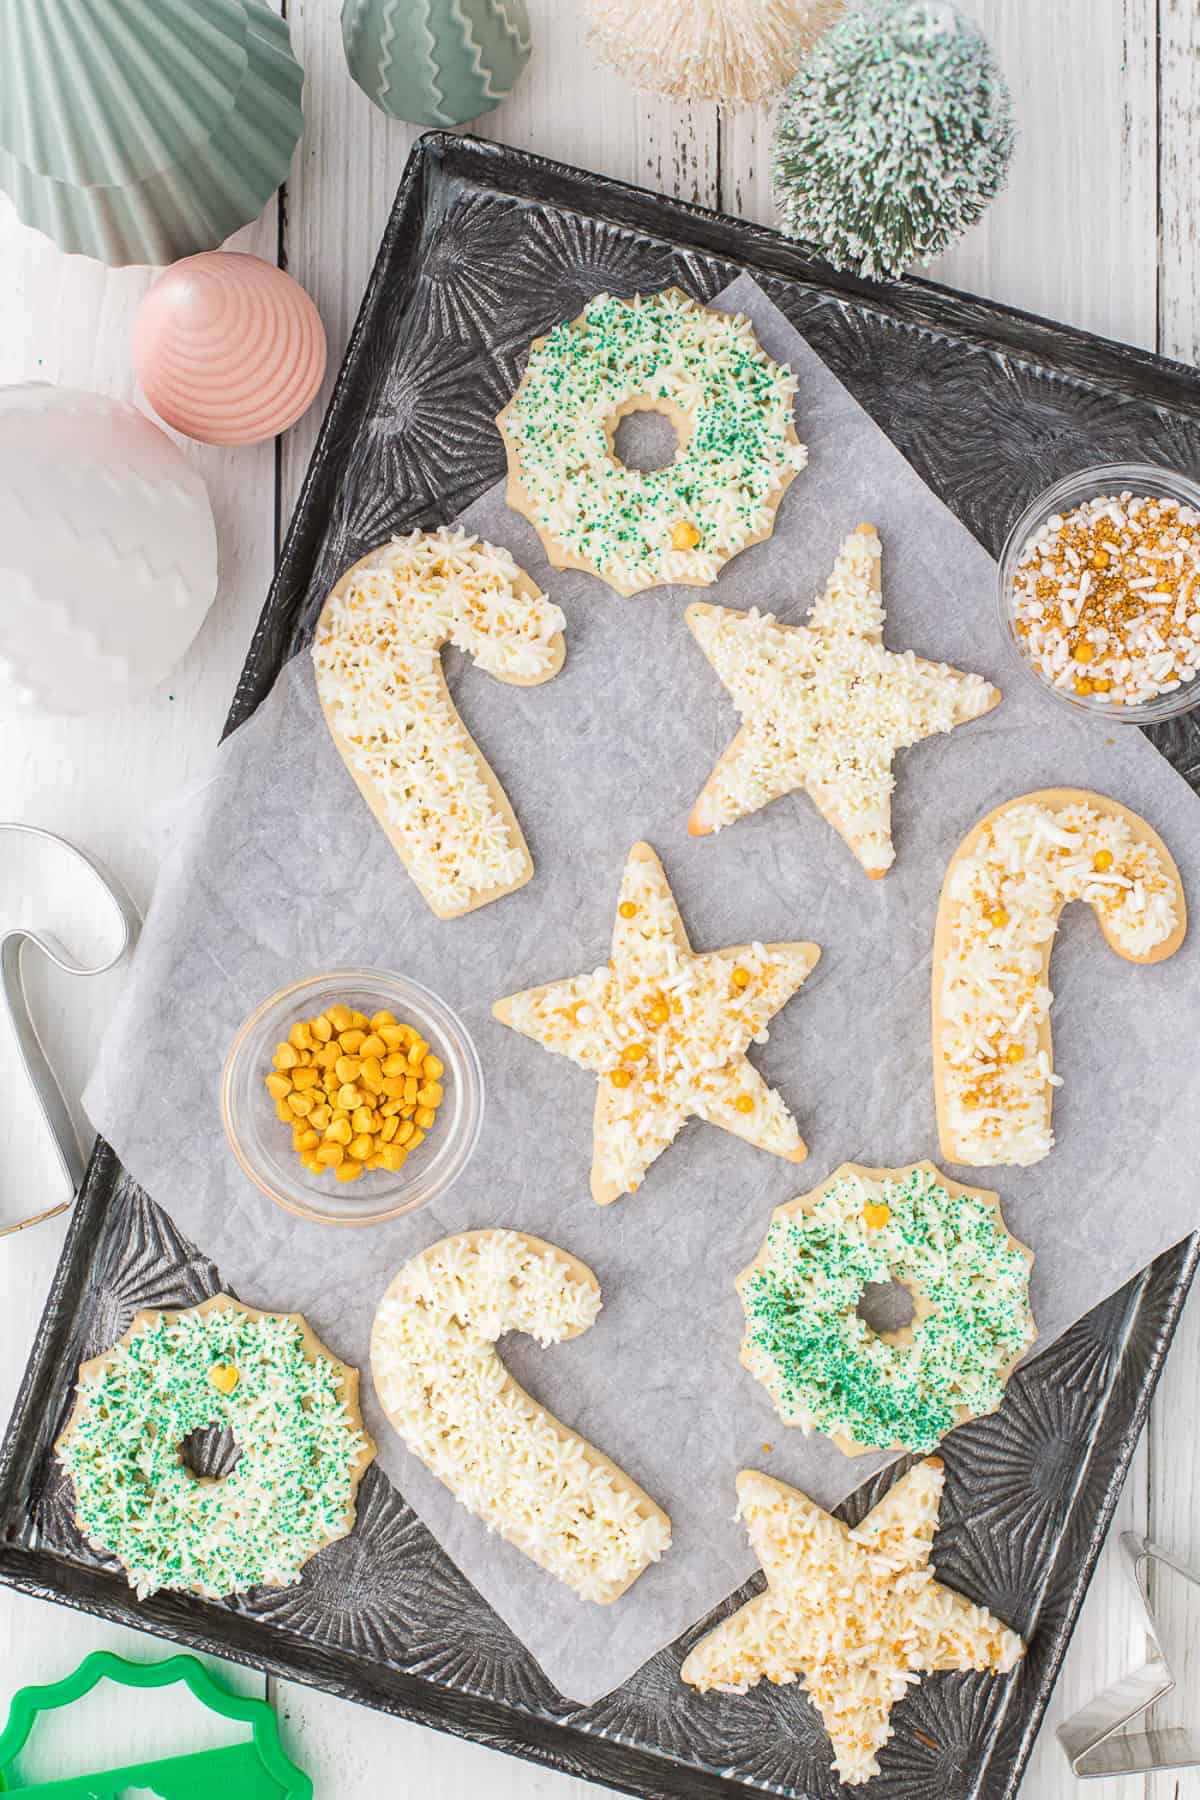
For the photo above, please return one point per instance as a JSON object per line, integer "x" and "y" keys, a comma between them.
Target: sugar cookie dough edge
{"x": 1056, "y": 799}
{"x": 577, "y": 1271}
{"x": 518, "y": 497}
{"x": 806, "y": 1203}
{"x": 524, "y": 585}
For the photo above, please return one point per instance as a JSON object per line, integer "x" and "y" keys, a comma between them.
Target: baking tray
{"x": 486, "y": 247}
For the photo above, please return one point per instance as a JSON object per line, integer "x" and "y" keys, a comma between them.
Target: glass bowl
{"x": 1072, "y": 491}
{"x": 262, "y": 1144}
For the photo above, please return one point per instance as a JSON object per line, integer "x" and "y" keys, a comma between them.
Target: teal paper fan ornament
{"x": 436, "y": 62}
{"x": 140, "y": 131}
{"x": 894, "y": 136}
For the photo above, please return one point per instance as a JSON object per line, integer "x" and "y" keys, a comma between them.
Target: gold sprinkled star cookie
{"x": 855, "y": 1614}
{"x": 825, "y": 706}
{"x": 667, "y": 1030}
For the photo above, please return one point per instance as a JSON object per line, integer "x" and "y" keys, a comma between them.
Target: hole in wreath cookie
{"x": 886, "y": 1307}
{"x": 645, "y": 437}
{"x": 211, "y": 1452}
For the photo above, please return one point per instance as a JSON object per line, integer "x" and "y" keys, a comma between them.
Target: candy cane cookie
{"x": 732, "y": 408}
{"x": 377, "y": 656}
{"x": 1007, "y": 883}
{"x": 442, "y": 1385}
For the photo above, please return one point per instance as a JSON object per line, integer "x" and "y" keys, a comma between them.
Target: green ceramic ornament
{"x": 253, "y": 1768}
{"x": 140, "y": 131}
{"x": 436, "y": 62}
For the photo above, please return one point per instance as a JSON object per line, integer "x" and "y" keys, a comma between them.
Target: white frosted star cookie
{"x": 1007, "y": 883}
{"x": 825, "y": 706}
{"x": 855, "y": 1614}
{"x": 433, "y": 1359}
{"x": 377, "y": 656}
{"x": 666, "y": 1030}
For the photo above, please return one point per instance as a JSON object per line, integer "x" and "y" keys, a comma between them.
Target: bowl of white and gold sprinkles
{"x": 353, "y": 1097}
{"x": 1100, "y": 592}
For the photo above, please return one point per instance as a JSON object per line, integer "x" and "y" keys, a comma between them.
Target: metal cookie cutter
{"x": 1095, "y": 1739}
{"x": 42, "y": 1078}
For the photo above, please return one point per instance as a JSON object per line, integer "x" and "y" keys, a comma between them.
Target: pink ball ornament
{"x": 228, "y": 348}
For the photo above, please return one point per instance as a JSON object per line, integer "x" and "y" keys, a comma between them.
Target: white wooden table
{"x": 1099, "y": 227}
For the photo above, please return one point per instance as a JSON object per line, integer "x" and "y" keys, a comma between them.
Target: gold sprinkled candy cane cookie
{"x": 1007, "y": 883}
{"x": 855, "y": 1614}
{"x": 377, "y": 655}
{"x": 667, "y": 1029}
{"x": 732, "y": 408}
{"x": 439, "y": 1379}
{"x": 825, "y": 706}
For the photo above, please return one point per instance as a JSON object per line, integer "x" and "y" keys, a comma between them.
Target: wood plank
{"x": 1174, "y": 1451}
{"x": 1074, "y": 234}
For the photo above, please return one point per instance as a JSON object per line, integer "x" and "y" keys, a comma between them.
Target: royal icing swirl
{"x": 737, "y": 454}
{"x": 824, "y": 1367}
{"x": 445, "y": 1390}
{"x": 301, "y": 1450}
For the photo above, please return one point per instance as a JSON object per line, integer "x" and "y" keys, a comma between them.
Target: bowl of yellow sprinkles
{"x": 353, "y": 1097}
{"x": 1100, "y": 592}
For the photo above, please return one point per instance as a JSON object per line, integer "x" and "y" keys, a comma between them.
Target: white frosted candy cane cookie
{"x": 732, "y": 408}
{"x": 442, "y": 1385}
{"x": 854, "y": 1613}
{"x": 825, "y": 706}
{"x": 666, "y": 1029}
{"x": 1007, "y": 883}
{"x": 377, "y": 655}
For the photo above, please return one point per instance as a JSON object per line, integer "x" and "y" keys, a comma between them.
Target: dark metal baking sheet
{"x": 486, "y": 247}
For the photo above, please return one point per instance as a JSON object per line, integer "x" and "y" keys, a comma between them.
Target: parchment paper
{"x": 283, "y": 872}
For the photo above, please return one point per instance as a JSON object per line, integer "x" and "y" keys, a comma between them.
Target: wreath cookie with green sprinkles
{"x": 902, "y": 1390}
{"x": 292, "y": 1409}
{"x": 731, "y": 405}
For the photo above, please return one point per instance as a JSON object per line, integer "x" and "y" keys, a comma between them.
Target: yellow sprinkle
{"x": 1102, "y": 860}
{"x": 628, "y": 909}
{"x": 876, "y": 1213}
{"x": 745, "y": 1103}
{"x": 224, "y": 1377}
{"x": 741, "y": 978}
{"x": 620, "y": 1078}
{"x": 685, "y": 536}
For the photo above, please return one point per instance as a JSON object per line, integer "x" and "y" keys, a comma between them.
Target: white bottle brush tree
{"x": 894, "y": 136}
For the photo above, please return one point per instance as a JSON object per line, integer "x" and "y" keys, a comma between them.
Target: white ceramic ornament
{"x": 108, "y": 551}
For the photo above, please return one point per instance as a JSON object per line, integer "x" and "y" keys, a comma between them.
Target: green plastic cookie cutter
{"x": 253, "y": 1770}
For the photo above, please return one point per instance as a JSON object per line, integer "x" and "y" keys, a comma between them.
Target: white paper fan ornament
{"x": 108, "y": 551}
{"x": 732, "y": 51}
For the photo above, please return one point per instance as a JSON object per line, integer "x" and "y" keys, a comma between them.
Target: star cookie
{"x": 825, "y": 706}
{"x": 856, "y": 1614}
{"x": 666, "y": 1030}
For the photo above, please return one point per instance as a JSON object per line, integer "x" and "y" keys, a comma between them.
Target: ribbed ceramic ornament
{"x": 108, "y": 551}
{"x": 138, "y": 131}
{"x": 229, "y": 349}
{"x": 436, "y": 62}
